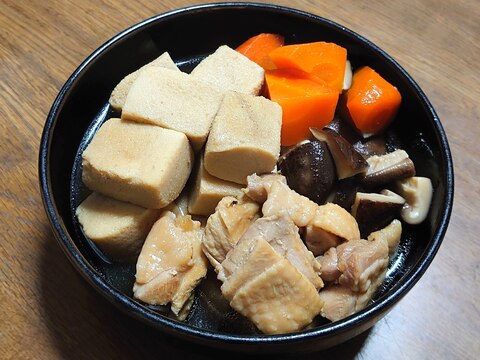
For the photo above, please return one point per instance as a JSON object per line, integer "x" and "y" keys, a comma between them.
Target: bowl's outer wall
{"x": 188, "y": 35}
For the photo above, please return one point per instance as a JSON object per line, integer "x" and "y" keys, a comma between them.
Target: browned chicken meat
{"x": 361, "y": 262}
{"x": 269, "y": 275}
{"x": 391, "y": 233}
{"x": 337, "y": 221}
{"x": 329, "y": 265}
{"x": 319, "y": 240}
{"x": 259, "y": 186}
{"x": 171, "y": 262}
{"x": 279, "y": 300}
{"x": 340, "y": 301}
{"x": 357, "y": 268}
{"x": 282, "y": 200}
{"x": 226, "y": 226}
{"x": 265, "y": 287}
{"x": 282, "y": 234}
{"x": 251, "y": 257}
{"x": 325, "y": 225}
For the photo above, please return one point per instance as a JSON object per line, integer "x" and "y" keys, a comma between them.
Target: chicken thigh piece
{"x": 339, "y": 301}
{"x": 329, "y": 265}
{"x": 361, "y": 262}
{"x": 361, "y": 266}
{"x": 279, "y": 300}
{"x": 265, "y": 287}
{"x": 190, "y": 279}
{"x": 282, "y": 234}
{"x": 226, "y": 225}
{"x": 325, "y": 225}
{"x": 170, "y": 263}
{"x": 251, "y": 257}
{"x": 258, "y": 186}
{"x": 392, "y": 233}
{"x": 283, "y": 200}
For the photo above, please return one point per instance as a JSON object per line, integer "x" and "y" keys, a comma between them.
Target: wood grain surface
{"x": 47, "y": 311}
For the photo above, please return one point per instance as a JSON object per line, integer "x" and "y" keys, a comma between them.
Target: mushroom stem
{"x": 418, "y": 192}
{"x": 388, "y": 168}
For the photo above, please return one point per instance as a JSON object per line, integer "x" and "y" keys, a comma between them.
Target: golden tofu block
{"x": 139, "y": 163}
{"x": 119, "y": 93}
{"x": 229, "y": 70}
{"x": 173, "y": 100}
{"x": 118, "y": 228}
{"x": 245, "y": 137}
{"x": 208, "y": 190}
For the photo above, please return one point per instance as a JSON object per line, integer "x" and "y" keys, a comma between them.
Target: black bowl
{"x": 188, "y": 35}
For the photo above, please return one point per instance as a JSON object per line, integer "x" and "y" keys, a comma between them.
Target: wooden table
{"x": 47, "y": 311}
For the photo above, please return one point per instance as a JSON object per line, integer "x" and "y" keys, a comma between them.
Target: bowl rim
{"x": 171, "y": 326}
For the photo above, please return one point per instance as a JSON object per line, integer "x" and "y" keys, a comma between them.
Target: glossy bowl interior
{"x": 188, "y": 35}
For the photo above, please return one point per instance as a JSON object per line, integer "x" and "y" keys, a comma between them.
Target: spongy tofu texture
{"x": 173, "y": 100}
{"x": 208, "y": 190}
{"x": 119, "y": 228}
{"x": 119, "y": 93}
{"x": 139, "y": 163}
{"x": 228, "y": 70}
{"x": 245, "y": 137}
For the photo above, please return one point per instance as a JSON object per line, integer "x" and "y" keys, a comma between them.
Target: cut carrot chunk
{"x": 305, "y": 102}
{"x": 258, "y": 47}
{"x": 372, "y": 102}
{"x": 326, "y": 60}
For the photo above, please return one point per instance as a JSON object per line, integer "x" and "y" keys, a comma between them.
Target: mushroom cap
{"x": 309, "y": 170}
{"x": 348, "y": 161}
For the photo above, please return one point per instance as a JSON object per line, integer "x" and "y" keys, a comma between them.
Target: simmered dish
{"x": 271, "y": 164}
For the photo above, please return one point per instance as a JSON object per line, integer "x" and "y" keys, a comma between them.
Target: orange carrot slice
{"x": 258, "y": 47}
{"x": 372, "y": 102}
{"x": 326, "y": 60}
{"x": 306, "y": 102}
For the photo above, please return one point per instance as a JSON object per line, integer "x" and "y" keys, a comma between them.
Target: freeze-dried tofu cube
{"x": 119, "y": 93}
{"x": 118, "y": 228}
{"x": 244, "y": 139}
{"x": 173, "y": 100}
{"x": 228, "y": 70}
{"x": 139, "y": 163}
{"x": 208, "y": 190}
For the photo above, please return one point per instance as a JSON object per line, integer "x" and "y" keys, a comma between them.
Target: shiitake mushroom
{"x": 338, "y": 166}
{"x": 344, "y": 129}
{"x": 309, "y": 169}
{"x": 375, "y": 145}
{"x": 375, "y": 211}
{"x": 348, "y": 161}
{"x": 388, "y": 168}
{"x": 344, "y": 191}
{"x": 417, "y": 192}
